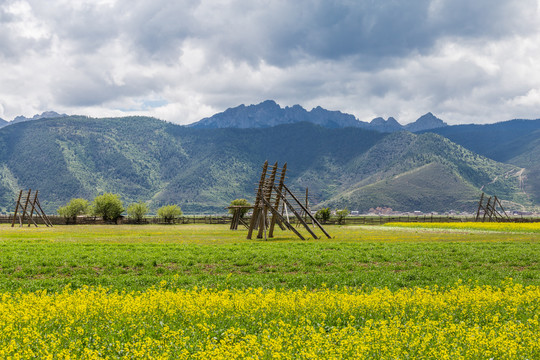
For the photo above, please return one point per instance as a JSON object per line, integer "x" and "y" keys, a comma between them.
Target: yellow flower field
{"x": 485, "y": 226}
{"x": 462, "y": 321}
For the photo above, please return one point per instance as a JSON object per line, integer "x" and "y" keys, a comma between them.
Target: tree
{"x": 74, "y": 208}
{"x": 239, "y": 202}
{"x": 108, "y": 206}
{"x": 137, "y": 211}
{"x": 169, "y": 212}
{"x": 323, "y": 215}
{"x": 341, "y": 215}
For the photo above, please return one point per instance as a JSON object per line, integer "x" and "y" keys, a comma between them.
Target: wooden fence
{"x": 226, "y": 219}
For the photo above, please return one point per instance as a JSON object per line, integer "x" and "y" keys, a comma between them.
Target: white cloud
{"x": 184, "y": 60}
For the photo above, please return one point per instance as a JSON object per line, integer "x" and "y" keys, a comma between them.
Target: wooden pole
{"x": 254, "y": 217}
{"x": 287, "y": 224}
{"x": 309, "y": 213}
{"x": 16, "y": 209}
{"x": 486, "y": 210}
{"x": 480, "y": 207}
{"x": 25, "y": 206}
{"x": 44, "y": 216}
{"x": 298, "y": 216}
{"x": 31, "y": 216}
{"x": 276, "y": 204}
{"x": 267, "y": 195}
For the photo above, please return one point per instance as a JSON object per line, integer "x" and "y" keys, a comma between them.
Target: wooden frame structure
{"x": 35, "y": 206}
{"x": 237, "y": 216}
{"x": 489, "y": 210}
{"x": 271, "y": 193}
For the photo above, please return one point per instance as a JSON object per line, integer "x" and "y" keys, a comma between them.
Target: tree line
{"x": 110, "y": 208}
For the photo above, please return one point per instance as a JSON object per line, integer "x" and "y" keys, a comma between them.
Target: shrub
{"x": 137, "y": 211}
{"x": 169, "y": 213}
{"x": 341, "y": 215}
{"x": 109, "y": 206}
{"x": 239, "y": 202}
{"x": 323, "y": 215}
{"x": 74, "y": 208}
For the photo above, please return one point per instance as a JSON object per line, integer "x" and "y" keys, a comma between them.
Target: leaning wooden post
{"x": 16, "y": 209}
{"x": 486, "y": 210}
{"x": 276, "y": 204}
{"x": 43, "y": 216}
{"x": 25, "y": 206}
{"x": 267, "y": 195}
{"x": 480, "y": 207}
{"x": 255, "y": 214}
{"x": 32, "y": 210}
{"x": 309, "y": 213}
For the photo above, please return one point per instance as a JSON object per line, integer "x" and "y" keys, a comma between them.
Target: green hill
{"x": 202, "y": 170}
{"x": 514, "y": 142}
{"x": 424, "y": 172}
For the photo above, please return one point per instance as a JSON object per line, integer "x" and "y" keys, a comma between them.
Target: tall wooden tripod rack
{"x": 271, "y": 193}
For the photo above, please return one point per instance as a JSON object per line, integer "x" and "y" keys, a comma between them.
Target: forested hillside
{"x": 202, "y": 170}
{"x": 515, "y": 142}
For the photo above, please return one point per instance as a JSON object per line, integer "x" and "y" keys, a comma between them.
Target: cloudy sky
{"x": 180, "y": 60}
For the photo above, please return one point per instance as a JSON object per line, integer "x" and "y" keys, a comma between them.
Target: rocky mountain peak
{"x": 426, "y": 122}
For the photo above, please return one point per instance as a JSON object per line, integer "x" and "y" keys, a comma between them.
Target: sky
{"x": 180, "y": 61}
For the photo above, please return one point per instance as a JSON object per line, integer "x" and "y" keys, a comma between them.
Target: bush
{"x": 239, "y": 202}
{"x": 341, "y": 215}
{"x": 74, "y": 208}
{"x": 169, "y": 213}
{"x": 137, "y": 211}
{"x": 108, "y": 206}
{"x": 323, "y": 215}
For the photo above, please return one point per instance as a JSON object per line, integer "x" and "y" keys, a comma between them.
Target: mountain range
{"x": 202, "y": 167}
{"x": 20, "y": 118}
{"x": 268, "y": 114}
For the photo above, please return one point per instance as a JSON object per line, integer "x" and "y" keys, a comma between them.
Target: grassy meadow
{"x": 137, "y": 257}
{"x": 203, "y": 291}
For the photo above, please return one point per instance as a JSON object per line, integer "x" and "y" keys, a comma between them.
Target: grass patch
{"x": 139, "y": 257}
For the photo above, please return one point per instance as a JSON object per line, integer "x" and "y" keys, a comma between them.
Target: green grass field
{"x": 429, "y": 291}
{"x": 139, "y": 257}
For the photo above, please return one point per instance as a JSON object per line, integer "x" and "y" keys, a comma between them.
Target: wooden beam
{"x": 267, "y": 195}
{"x": 254, "y": 217}
{"x": 480, "y": 207}
{"x": 31, "y": 216}
{"x": 307, "y": 212}
{"x": 287, "y": 224}
{"x": 25, "y": 206}
{"x": 298, "y": 216}
{"x": 276, "y": 203}
{"x": 44, "y": 216}
{"x": 16, "y": 209}
{"x": 486, "y": 210}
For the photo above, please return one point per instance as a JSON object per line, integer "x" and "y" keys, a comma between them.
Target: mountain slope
{"x": 515, "y": 142}
{"x": 144, "y": 159}
{"x": 500, "y": 141}
{"x": 425, "y": 172}
{"x": 417, "y": 189}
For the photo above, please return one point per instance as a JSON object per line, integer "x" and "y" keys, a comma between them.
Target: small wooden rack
{"x": 23, "y": 203}
{"x": 237, "y": 216}
{"x": 489, "y": 210}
